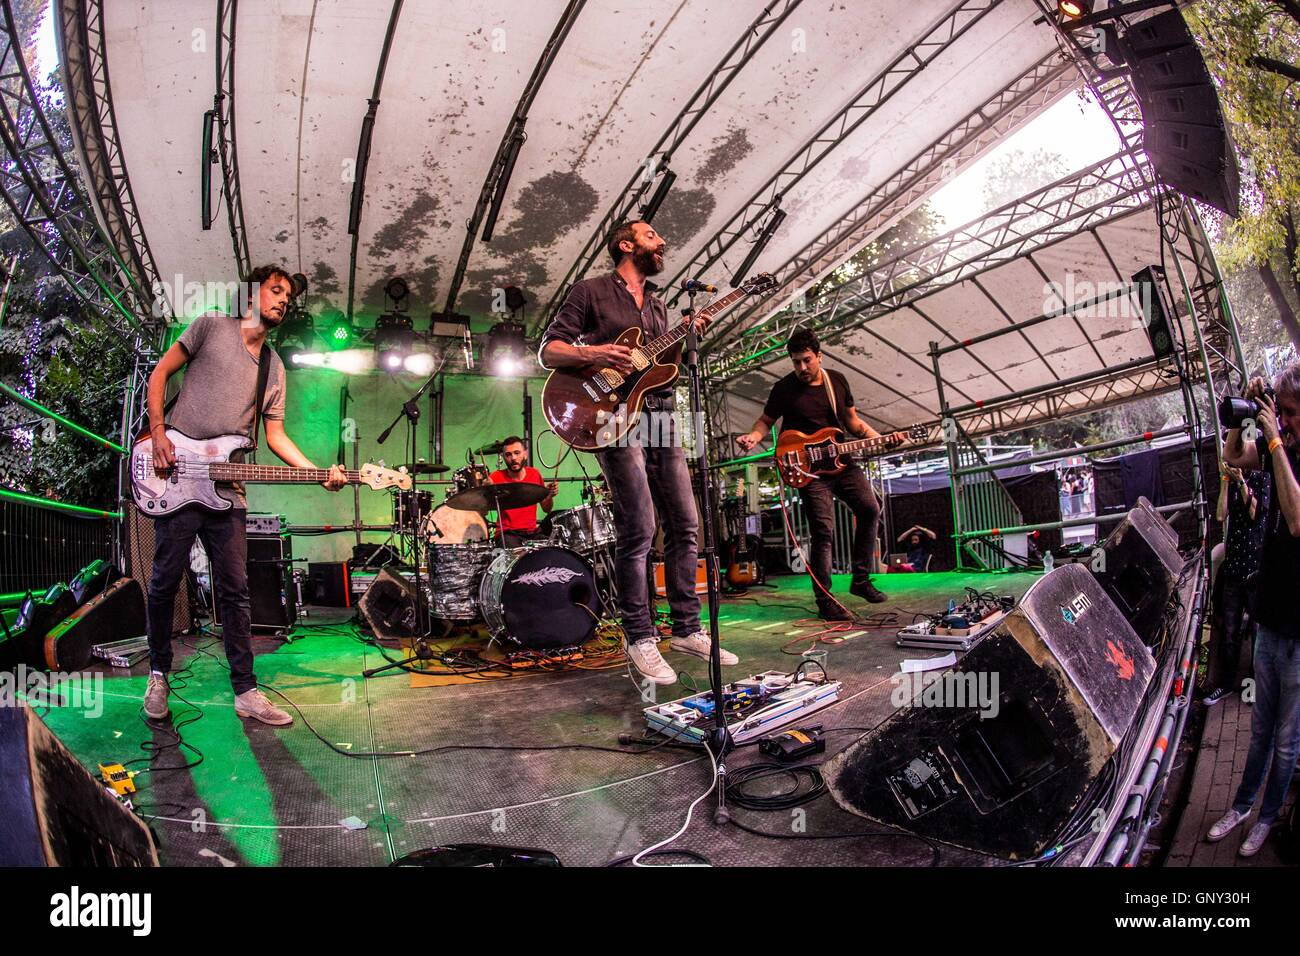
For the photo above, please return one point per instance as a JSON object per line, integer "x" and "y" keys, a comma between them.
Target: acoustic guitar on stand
{"x": 592, "y": 408}
{"x": 802, "y": 458}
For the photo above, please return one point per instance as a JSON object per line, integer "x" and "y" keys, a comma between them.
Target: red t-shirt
{"x": 518, "y": 519}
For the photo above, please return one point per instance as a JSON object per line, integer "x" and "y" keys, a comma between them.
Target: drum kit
{"x": 549, "y": 593}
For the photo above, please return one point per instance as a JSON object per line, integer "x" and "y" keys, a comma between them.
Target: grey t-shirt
{"x": 220, "y": 384}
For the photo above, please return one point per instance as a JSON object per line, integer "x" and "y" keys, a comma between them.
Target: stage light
{"x": 507, "y": 349}
{"x": 335, "y": 328}
{"x": 421, "y": 363}
{"x": 661, "y": 192}
{"x": 394, "y": 339}
{"x": 397, "y": 290}
{"x": 1074, "y": 9}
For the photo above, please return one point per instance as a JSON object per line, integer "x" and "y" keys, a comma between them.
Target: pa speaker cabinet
{"x": 998, "y": 753}
{"x": 139, "y": 533}
{"x": 272, "y": 599}
{"x": 115, "y": 615}
{"x": 1140, "y": 569}
{"x": 52, "y": 812}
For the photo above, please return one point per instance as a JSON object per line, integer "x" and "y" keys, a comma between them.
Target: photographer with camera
{"x": 1264, "y": 438}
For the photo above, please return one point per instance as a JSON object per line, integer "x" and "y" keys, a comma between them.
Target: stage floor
{"x": 268, "y": 796}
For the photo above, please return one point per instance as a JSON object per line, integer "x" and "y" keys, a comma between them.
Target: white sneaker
{"x": 1227, "y": 823}
{"x": 1255, "y": 839}
{"x": 645, "y": 657}
{"x": 699, "y": 645}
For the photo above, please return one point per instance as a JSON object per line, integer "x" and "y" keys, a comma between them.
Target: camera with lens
{"x": 1234, "y": 410}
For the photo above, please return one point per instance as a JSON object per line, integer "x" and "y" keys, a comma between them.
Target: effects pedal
{"x": 791, "y": 745}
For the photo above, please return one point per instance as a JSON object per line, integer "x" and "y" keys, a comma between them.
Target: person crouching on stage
{"x": 518, "y": 525}
{"x": 1275, "y": 716}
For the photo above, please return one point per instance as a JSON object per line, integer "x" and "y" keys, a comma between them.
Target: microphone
{"x": 468, "y": 347}
{"x": 694, "y": 285}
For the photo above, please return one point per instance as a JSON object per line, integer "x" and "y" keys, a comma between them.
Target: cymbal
{"x": 492, "y": 449}
{"x": 426, "y": 468}
{"x": 503, "y": 497}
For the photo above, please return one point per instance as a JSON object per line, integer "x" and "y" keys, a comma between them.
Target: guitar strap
{"x": 830, "y": 396}
{"x": 263, "y": 373}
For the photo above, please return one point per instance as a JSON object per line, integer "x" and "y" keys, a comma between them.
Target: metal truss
{"x": 1107, "y": 189}
{"x": 756, "y": 213}
{"x": 741, "y": 52}
{"x": 224, "y": 105}
{"x": 40, "y": 188}
{"x": 1024, "y": 97}
{"x": 88, "y": 103}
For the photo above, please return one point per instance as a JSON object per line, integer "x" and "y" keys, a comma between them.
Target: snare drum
{"x": 539, "y": 598}
{"x": 455, "y": 571}
{"x": 584, "y": 528}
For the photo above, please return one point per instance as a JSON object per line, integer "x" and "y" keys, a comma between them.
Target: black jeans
{"x": 851, "y": 487}
{"x": 1230, "y": 626}
{"x": 643, "y": 479}
{"x": 225, "y": 538}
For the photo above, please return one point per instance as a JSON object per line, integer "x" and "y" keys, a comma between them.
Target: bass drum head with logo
{"x": 540, "y": 598}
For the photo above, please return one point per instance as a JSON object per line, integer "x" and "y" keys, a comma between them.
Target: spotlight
{"x": 335, "y": 329}
{"x": 1074, "y": 9}
{"x": 507, "y": 348}
{"x": 397, "y": 290}
{"x": 298, "y": 283}
{"x": 394, "y": 339}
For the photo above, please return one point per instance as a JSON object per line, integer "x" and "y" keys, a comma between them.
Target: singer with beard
{"x": 644, "y": 477}
{"x": 221, "y": 355}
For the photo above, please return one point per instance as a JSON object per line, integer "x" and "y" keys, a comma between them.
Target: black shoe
{"x": 834, "y": 612}
{"x": 865, "y": 589}
{"x": 1216, "y": 696}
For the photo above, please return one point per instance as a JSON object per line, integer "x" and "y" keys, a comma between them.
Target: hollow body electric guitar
{"x": 590, "y": 408}
{"x": 802, "y": 458}
{"x": 201, "y": 463}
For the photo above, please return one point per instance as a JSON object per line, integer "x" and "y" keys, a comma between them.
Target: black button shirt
{"x": 598, "y": 310}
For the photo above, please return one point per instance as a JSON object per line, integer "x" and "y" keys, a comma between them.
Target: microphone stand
{"x": 719, "y": 741}
{"x": 411, "y": 412}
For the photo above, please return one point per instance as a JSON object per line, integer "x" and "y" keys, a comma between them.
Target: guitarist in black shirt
{"x": 808, "y": 399}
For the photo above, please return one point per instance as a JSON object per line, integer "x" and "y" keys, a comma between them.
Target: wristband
{"x": 1274, "y": 444}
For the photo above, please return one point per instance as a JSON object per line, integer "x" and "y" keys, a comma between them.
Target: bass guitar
{"x": 201, "y": 463}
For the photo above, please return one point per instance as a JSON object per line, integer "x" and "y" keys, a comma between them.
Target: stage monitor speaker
{"x": 328, "y": 584}
{"x": 998, "y": 753}
{"x": 52, "y": 812}
{"x": 388, "y": 606}
{"x": 1155, "y": 311}
{"x": 139, "y": 532}
{"x": 1183, "y": 129}
{"x": 115, "y": 615}
{"x": 1140, "y": 569}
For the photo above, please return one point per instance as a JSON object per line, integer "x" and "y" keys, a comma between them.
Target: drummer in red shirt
{"x": 520, "y": 524}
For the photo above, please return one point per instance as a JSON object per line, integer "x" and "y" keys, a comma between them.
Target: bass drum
{"x": 540, "y": 598}
{"x": 445, "y": 525}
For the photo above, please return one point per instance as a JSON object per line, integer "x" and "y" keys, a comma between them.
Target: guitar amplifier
{"x": 273, "y": 597}
{"x": 139, "y": 534}
{"x": 265, "y": 524}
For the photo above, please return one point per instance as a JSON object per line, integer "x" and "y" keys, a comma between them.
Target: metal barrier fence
{"x": 40, "y": 546}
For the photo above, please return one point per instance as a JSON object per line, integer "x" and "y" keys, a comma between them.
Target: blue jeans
{"x": 1274, "y": 719}
{"x": 643, "y": 480}
{"x": 225, "y": 537}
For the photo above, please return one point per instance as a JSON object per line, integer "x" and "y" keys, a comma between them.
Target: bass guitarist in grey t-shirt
{"x": 221, "y": 355}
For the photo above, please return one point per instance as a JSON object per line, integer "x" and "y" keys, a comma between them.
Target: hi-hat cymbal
{"x": 503, "y": 497}
{"x": 426, "y": 468}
